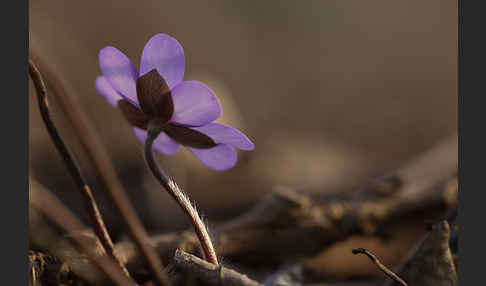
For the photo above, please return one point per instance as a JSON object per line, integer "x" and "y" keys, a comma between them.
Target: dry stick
{"x": 382, "y": 267}
{"x": 176, "y": 193}
{"x": 94, "y": 149}
{"x": 51, "y": 207}
{"x": 90, "y": 202}
{"x": 211, "y": 274}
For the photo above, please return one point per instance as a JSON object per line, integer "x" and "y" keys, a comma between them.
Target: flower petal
{"x": 224, "y": 134}
{"x": 163, "y": 144}
{"x": 219, "y": 158}
{"x": 120, "y": 72}
{"x": 194, "y": 104}
{"x": 104, "y": 88}
{"x": 164, "y": 53}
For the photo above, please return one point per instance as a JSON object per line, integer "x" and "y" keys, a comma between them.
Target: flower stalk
{"x": 176, "y": 193}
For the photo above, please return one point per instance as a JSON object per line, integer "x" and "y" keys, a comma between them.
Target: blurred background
{"x": 331, "y": 92}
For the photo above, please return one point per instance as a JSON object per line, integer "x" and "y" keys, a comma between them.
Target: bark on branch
{"x": 210, "y": 273}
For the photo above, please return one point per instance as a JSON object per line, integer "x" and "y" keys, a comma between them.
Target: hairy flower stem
{"x": 87, "y": 195}
{"x": 176, "y": 193}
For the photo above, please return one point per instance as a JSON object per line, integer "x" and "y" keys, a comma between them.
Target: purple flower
{"x": 157, "y": 95}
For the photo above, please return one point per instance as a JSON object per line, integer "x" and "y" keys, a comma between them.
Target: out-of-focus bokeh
{"x": 331, "y": 92}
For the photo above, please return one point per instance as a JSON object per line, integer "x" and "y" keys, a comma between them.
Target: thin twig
{"x": 382, "y": 267}
{"x": 90, "y": 202}
{"x": 212, "y": 274}
{"x": 94, "y": 149}
{"x": 51, "y": 207}
{"x": 176, "y": 193}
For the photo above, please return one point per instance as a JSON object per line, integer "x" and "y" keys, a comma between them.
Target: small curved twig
{"x": 97, "y": 220}
{"x": 382, "y": 267}
{"x": 176, "y": 193}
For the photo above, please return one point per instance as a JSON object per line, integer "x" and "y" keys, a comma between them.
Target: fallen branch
{"x": 210, "y": 273}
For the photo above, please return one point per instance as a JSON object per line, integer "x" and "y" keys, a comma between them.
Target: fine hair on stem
{"x": 178, "y": 195}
